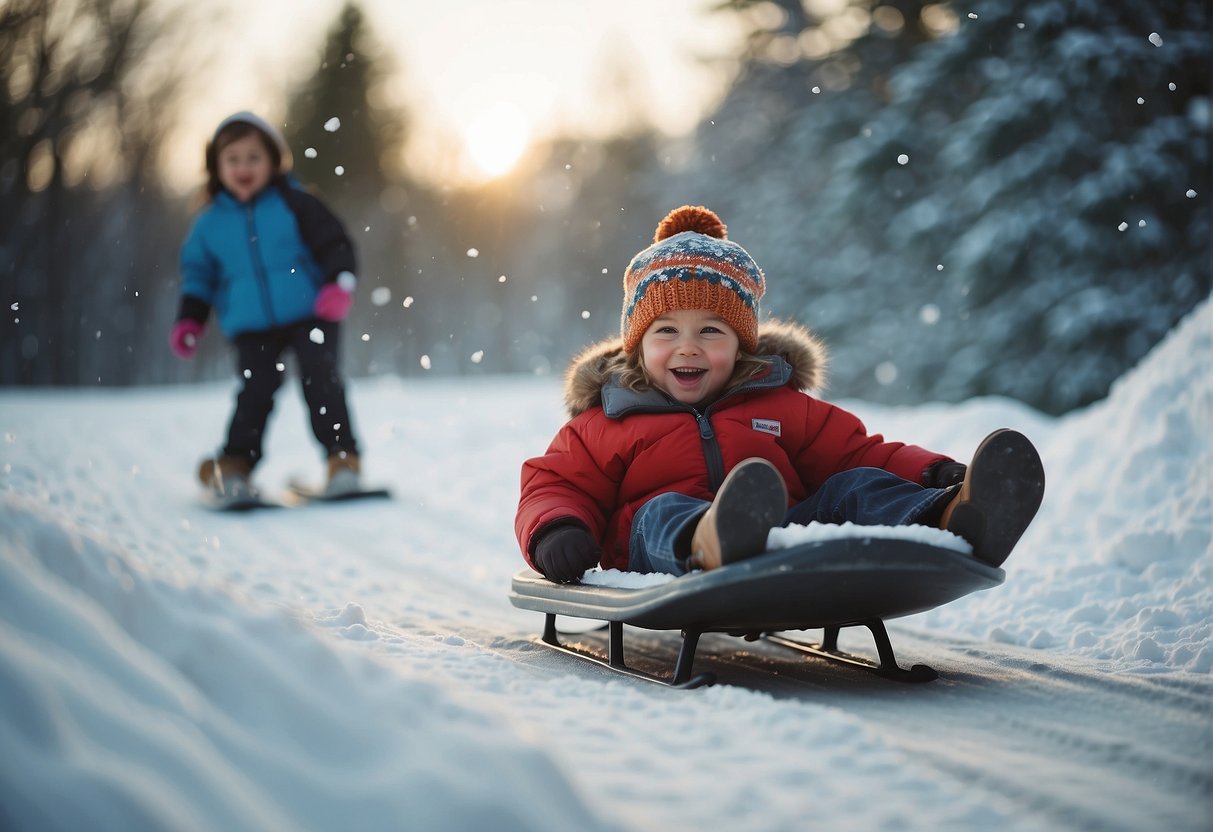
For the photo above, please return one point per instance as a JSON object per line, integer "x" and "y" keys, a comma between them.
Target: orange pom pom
{"x": 691, "y": 218}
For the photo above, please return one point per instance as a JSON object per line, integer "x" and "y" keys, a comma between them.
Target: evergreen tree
{"x": 348, "y": 145}
{"x": 345, "y": 145}
{"x": 1026, "y": 215}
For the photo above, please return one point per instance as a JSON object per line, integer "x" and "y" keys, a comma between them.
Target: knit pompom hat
{"x": 285, "y": 160}
{"x": 692, "y": 265}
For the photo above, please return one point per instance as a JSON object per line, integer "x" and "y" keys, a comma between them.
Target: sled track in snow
{"x": 998, "y": 708}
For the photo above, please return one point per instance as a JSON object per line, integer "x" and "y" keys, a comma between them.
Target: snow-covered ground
{"x": 360, "y": 666}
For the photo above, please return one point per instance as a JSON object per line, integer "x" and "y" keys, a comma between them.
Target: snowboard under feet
{"x": 300, "y": 493}
{"x": 248, "y": 501}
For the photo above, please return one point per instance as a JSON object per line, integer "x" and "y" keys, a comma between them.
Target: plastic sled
{"x": 828, "y": 585}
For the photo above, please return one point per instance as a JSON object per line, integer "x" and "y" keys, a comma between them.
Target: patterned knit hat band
{"x": 692, "y": 266}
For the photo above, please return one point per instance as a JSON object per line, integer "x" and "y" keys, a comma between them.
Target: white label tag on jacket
{"x": 767, "y": 426}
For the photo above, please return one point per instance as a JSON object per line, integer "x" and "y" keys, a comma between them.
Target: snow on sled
{"x": 824, "y": 584}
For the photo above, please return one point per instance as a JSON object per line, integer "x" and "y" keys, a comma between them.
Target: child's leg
{"x": 257, "y": 357}
{"x": 661, "y": 533}
{"x": 322, "y": 388}
{"x": 870, "y": 497}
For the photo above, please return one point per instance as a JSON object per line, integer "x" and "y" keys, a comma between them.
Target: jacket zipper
{"x": 259, "y": 265}
{"x": 711, "y": 450}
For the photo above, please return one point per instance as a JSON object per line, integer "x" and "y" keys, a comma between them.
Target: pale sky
{"x": 483, "y": 75}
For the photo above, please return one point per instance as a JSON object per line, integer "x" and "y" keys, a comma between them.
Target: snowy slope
{"x": 360, "y": 667}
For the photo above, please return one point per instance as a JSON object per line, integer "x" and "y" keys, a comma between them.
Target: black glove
{"x": 564, "y": 553}
{"x": 943, "y": 474}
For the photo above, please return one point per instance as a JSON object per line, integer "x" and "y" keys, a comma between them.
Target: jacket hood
{"x": 804, "y": 352}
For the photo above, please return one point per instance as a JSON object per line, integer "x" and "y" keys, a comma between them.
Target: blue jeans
{"x": 662, "y": 528}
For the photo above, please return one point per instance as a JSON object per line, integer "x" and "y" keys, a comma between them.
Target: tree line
{"x": 1000, "y": 198}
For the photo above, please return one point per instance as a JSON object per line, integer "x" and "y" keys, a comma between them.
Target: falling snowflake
{"x": 310, "y": 153}
{"x": 1156, "y": 38}
{"x": 473, "y": 252}
{"x": 339, "y": 170}
{"x": 407, "y": 302}
{"x": 425, "y": 362}
{"x": 333, "y": 124}
{"x": 316, "y": 336}
{"x": 477, "y": 356}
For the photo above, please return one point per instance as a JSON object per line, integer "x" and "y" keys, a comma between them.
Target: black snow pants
{"x": 260, "y": 368}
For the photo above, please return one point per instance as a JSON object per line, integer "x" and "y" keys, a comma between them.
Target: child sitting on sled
{"x": 691, "y": 436}
{"x": 278, "y": 269}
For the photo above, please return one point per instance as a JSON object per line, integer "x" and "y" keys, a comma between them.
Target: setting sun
{"x": 496, "y": 138}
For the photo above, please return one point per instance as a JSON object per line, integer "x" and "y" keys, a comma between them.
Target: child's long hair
{"x": 234, "y": 132}
{"x": 628, "y": 369}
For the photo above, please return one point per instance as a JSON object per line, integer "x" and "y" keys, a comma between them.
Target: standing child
{"x": 278, "y": 269}
{"x": 691, "y": 436}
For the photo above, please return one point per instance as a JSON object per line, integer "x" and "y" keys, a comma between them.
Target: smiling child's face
{"x": 690, "y": 354}
{"x": 245, "y": 167}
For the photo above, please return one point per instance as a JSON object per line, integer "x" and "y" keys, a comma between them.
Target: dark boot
{"x": 1000, "y": 495}
{"x": 751, "y": 501}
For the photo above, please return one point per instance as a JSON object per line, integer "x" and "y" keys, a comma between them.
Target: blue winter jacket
{"x": 260, "y": 264}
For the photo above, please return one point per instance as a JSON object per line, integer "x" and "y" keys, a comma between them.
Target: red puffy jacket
{"x": 623, "y": 447}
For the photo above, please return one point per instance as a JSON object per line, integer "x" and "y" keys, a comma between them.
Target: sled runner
{"x": 829, "y": 584}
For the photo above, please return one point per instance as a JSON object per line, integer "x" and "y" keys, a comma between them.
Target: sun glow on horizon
{"x": 496, "y": 138}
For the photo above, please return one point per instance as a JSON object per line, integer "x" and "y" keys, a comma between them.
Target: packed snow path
{"x": 359, "y": 666}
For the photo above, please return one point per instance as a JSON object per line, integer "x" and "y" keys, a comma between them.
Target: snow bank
{"x": 155, "y": 706}
{"x": 1119, "y": 563}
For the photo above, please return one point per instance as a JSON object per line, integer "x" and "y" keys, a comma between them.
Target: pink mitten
{"x": 335, "y": 299}
{"x": 184, "y": 337}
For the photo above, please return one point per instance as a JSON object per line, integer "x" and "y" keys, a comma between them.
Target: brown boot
{"x": 751, "y": 501}
{"x": 226, "y": 475}
{"x": 344, "y": 469}
{"x": 1000, "y": 495}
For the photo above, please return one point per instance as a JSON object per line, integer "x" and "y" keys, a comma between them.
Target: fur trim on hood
{"x": 794, "y": 343}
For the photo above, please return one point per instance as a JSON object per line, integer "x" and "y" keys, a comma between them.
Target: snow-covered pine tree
{"x": 1023, "y": 209}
